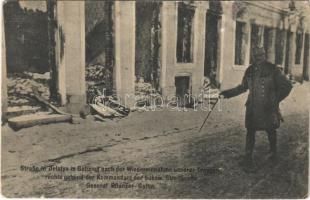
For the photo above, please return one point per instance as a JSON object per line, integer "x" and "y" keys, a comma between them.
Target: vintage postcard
{"x": 155, "y": 99}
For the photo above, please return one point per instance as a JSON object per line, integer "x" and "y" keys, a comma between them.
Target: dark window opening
{"x": 280, "y": 46}
{"x": 185, "y": 33}
{"x": 306, "y": 57}
{"x": 256, "y": 38}
{"x": 267, "y": 37}
{"x": 211, "y": 46}
{"x": 240, "y": 43}
{"x": 148, "y": 32}
{"x": 299, "y": 41}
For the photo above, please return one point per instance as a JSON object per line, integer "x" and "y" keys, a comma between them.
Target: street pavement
{"x": 202, "y": 164}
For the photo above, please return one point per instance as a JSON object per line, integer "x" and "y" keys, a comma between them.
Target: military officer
{"x": 267, "y": 86}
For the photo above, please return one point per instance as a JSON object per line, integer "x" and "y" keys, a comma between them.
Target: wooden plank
{"x": 37, "y": 119}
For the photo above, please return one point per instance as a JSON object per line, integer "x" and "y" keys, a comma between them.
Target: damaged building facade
{"x": 172, "y": 45}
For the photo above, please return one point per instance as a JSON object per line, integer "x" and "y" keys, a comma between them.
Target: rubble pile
{"x": 99, "y": 81}
{"x": 20, "y": 88}
{"x": 144, "y": 93}
{"x": 98, "y": 78}
{"x": 209, "y": 90}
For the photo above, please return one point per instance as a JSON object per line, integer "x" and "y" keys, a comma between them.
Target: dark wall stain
{"x": 62, "y": 42}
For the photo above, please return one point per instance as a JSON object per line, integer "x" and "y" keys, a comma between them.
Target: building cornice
{"x": 266, "y": 6}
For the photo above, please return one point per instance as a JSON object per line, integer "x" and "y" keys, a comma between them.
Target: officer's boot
{"x": 249, "y": 147}
{"x": 272, "y": 137}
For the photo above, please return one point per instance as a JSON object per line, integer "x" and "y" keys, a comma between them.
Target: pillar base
{"x": 75, "y": 103}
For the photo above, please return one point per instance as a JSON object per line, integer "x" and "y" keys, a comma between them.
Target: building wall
{"x": 70, "y": 54}
{"x": 125, "y": 20}
{"x": 170, "y": 67}
{"x": 71, "y": 44}
{"x": 266, "y": 14}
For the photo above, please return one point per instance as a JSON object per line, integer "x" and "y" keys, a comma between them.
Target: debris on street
{"x": 39, "y": 118}
{"x": 45, "y": 102}
{"x": 26, "y": 92}
{"x": 106, "y": 106}
{"x": 105, "y": 111}
{"x": 20, "y": 87}
{"x": 209, "y": 90}
{"x": 145, "y": 93}
{"x": 99, "y": 93}
{"x": 98, "y": 77}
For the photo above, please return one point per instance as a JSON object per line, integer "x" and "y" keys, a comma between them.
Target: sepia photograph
{"x": 155, "y": 99}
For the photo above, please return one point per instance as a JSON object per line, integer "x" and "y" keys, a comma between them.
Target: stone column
{"x": 284, "y": 36}
{"x": 221, "y": 45}
{"x": 4, "y": 94}
{"x": 306, "y": 58}
{"x": 291, "y": 54}
{"x": 70, "y": 54}
{"x": 199, "y": 43}
{"x": 271, "y": 52}
{"x": 125, "y": 21}
{"x": 228, "y": 52}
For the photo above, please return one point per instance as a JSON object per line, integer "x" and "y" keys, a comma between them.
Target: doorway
{"x": 182, "y": 84}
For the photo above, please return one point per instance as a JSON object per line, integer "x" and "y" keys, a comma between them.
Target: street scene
{"x": 160, "y": 99}
{"x": 147, "y": 139}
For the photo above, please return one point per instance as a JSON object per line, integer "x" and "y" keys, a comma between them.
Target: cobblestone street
{"x": 167, "y": 139}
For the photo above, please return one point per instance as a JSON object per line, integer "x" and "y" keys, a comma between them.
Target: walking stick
{"x": 208, "y": 114}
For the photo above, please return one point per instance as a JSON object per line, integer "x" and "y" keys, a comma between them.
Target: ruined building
{"x": 173, "y": 45}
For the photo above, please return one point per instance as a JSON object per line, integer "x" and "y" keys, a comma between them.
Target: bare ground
{"x": 162, "y": 139}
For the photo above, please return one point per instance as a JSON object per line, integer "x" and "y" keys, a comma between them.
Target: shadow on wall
{"x": 26, "y": 39}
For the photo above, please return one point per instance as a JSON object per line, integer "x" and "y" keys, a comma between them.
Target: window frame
{"x": 248, "y": 45}
{"x": 193, "y": 34}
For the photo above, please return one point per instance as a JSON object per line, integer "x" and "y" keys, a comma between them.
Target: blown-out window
{"x": 185, "y": 33}
{"x": 240, "y": 43}
{"x": 299, "y": 41}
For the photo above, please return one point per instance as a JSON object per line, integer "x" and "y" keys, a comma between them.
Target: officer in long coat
{"x": 267, "y": 86}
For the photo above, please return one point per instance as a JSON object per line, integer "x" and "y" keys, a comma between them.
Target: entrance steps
{"x": 21, "y": 110}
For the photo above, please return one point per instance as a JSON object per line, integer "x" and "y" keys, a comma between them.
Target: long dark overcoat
{"x": 268, "y": 86}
